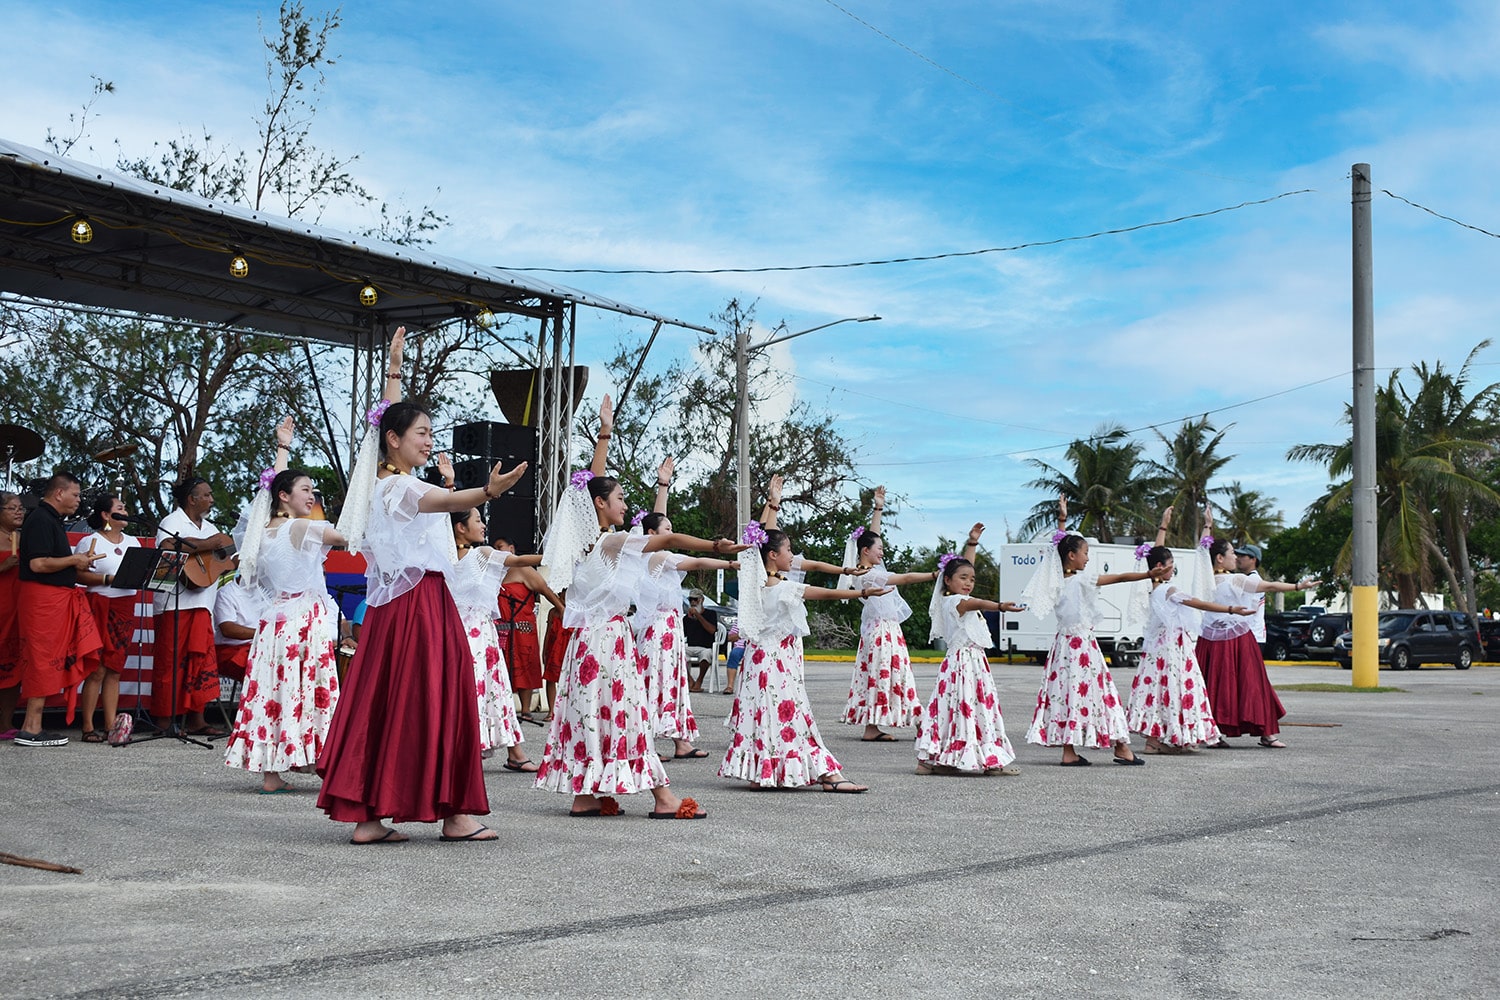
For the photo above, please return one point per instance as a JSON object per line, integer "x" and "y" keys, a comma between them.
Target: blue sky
{"x": 674, "y": 134}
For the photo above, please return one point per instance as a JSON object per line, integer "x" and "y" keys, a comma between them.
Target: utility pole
{"x": 1366, "y": 534}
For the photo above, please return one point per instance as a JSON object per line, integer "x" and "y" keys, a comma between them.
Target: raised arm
{"x": 663, "y": 484}
{"x": 971, "y": 544}
{"x": 283, "y": 446}
{"x": 773, "y": 503}
{"x": 1062, "y": 513}
{"x": 876, "y": 508}
{"x": 392, "y": 393}
{"x": 1161, "y": 529}
{"x": 601, "y": 443}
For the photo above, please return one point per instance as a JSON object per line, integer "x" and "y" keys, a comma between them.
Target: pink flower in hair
{"x": 1143, "y": 550}
{"x": 1207, "y": 541}
{"x": 267, "y": 477}
{"x": 640, "y": 516}
{"x": 1058, "y": 536}
{"x": 580, "y": 479}
{"x": 377, "y": 411}
{"x": 754, "y": 534}
{"x": 945, "y": 559}
{"x": 856, "y": 534}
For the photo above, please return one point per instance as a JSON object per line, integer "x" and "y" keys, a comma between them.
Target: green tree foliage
{"x": 1192, "y": 463}
{"x": 1108, "y": 487}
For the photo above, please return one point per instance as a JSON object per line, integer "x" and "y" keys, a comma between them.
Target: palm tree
{"x": 1249, "y": 515}
{"x": 1192, "y": 462}
{"x": 1425, "y": 484}
{"x": 1105, "y": 491}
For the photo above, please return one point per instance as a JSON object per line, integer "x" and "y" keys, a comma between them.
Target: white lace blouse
{"x": 607, "y": 581}
{"x": 961, "y": 630}
{"x": 783, "y": 613}
{"x": 1077, "y": 605}
{"x": 475, "y": 582}
{"x": 1169, "y": 613}
{"x": 291, "y": 559}
{"x": 1230, "y": 589}
{"x": 402, "y": 543}
{"x": 890, "y": 607}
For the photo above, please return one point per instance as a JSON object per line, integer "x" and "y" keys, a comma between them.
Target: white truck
{"x": 1028, "y": 634}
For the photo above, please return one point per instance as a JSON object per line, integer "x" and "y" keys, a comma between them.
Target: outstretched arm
{"x": 1222, "y": 609}
{"x": 812, "y": 565}
{"x": 1275, "y": 586}
{"x": 1162, "y": 572}
{"x": 902, "y": 579}
{"x": 663, "y": 484}
{"x": 828, "y": 594}
{"x": 980, "y": 604}
{"x": 447, "y": 501}
{"x": 700, "y": 563}
{"x": 692, "y": 543}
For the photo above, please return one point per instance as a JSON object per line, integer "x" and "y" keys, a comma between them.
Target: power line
{"x": 1440, "y": 215}
{"x": 919, "y": 259}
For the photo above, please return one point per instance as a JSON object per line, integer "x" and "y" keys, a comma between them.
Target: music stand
{"x": 155, "y": 570}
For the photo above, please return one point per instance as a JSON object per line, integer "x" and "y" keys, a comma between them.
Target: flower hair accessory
{"x": 580, "y": 479}
{"x": 377, "y": 411}
{"x": 1207, "y": 541}
{"x": 944, "y": 560}
{"x": 1058, "y": 536}
{"x": 267, "y": 477}
{"x": 855, "y": 535}
{"x": 754, "y": 534}
{"x": 1143, "y": 550}
{"x": 640, "y": 516}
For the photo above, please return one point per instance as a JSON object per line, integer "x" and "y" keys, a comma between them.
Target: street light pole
{"x": 742, "y": 351}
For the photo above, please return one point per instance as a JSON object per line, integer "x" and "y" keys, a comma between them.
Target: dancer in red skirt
{"x": 517, "y": 629}
{"x": 404, "y": 743}
{"x": 113, "y": 609}
{"x": 59, "y": 643}
{"x": 1243, "y": 700}
{"x": 12, "y": 513}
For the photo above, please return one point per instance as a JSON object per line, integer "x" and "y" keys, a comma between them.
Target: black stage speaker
{"x": 514, "y": 518}
{"x": 509, "y": 443}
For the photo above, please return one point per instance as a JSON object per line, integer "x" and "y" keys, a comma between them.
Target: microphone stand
{"x": 172, "y": 728}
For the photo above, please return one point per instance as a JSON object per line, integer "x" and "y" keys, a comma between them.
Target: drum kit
{"x": 19, "y": 445}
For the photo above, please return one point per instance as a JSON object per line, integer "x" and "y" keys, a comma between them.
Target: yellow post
{"x": 1365, "y": 634}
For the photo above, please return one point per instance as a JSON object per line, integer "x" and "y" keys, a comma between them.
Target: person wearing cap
{"x": 1248, "y": 562}
{"x": 700, "y": 626}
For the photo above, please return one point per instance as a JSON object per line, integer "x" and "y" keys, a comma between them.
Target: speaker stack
{"x": 478, "y": 446}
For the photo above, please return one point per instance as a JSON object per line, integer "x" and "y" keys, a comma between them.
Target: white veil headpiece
{"x": 752, "y": 614}
{"x": 851, "y": 557}
{"x": 935, "y": 605}
{"x": 573, "y": 531}
{"x": 354, "y": 519}
{"x": 250, "y": 530}
{"x": 1045, "y": 585}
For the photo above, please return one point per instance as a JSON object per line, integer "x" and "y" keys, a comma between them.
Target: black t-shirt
{"x": 696, "y": 634}
{"x": 43, "y": 536}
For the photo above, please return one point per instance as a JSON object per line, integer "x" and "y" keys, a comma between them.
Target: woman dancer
{"x": 882, "y": 691}
{"x": 599, "y": 742}
{"x": 476, "y": 589}
{"x": 1244, "y": 702}
{"x": 114, "y": 612}
{"x": 663, "y": 643}
{"x": 962, "y": 729}
{"x": 405, "y": 741}
{"x": 1077, "y": 705}
{"x": 517, "y": 628}
{"x": 291, "y": 687}
{"x": 1168, "y": 699}
{"x": 776, "y": 743}
{"x": 12, "y": 513}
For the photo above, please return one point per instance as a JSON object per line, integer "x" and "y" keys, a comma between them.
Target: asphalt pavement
{"x": 1359, "y": 862}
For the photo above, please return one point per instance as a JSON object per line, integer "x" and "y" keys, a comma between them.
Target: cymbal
{"x": 117, "y": 451}
{"x": 20, "y": 444}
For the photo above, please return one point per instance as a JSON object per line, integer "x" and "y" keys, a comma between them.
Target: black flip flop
{"x": 694, "y": 754}
{"x": 1129, "y": 761}
{"x": 520, "y": 766}
{"x": 473, "y": 836}
{"x": 882, "y": 738}
{"x": 1075, "y": 762}
{"x": 379, "y": 840}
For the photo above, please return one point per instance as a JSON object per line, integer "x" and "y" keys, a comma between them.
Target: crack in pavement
{"x": 308, "y": 969}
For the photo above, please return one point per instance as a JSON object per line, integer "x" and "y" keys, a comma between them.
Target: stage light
{"x": 485, "y": 319}
{"x": 368, "y": 296}
{"x": 82, "y": 232}
{"x": 239, "y": 267}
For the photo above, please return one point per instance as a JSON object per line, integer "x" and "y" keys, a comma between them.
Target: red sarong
{"x": 59, "y": 642}
{"x": 233, "y": 660}
{"x": 555, "y": 646}
{"x": 115, "y": 619}
{"x": 10, "y": 635}
{"x": 518, "y": 639}
{"x": 197, "y": 667}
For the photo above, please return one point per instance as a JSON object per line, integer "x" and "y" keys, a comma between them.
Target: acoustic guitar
{"x": 203, "y": 570}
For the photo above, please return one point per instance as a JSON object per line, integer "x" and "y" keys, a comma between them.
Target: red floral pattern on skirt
{"x": 498, "y": 725}
{"x": 1077, "y": 704}
{"x": 664, "y": 647}
{"x": 883, "y": 691}
{"x": 774, "y": 739}
{"x": 962, "y": 726}
{"x": 291, "y": 690}
{"x": 1168, "y": 699}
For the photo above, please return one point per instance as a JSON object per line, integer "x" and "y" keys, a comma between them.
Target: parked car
{"x": 1324, "y": 630}
{"x": 1413, "y": 636}
{"x": 1286, "y": 635}
{"x": 1489, "y": 639}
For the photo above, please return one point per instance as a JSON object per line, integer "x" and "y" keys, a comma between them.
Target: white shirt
{"x": 108, "y": 566}
{"x": 179, "y": 523}
{"x": 236, "y": 603}
{"x": 1258, "y": 625}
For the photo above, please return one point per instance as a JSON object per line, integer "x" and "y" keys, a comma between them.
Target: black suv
{"x": 1324, "y": 630}
{"x": 1489, "y": 637}
{"x": 1286, "y": 635}
{"x": 1410, "y": 637}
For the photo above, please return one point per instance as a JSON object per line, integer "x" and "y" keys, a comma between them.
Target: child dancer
{"x": 1168, "y": 699}
{"x": 405, "y": 741}
{"x": 1243, "y": 699}
{"x": 599, "y": 742}
{"x": 962, "y": 729}
{"x": 292, "y": 684}
{"x": 476, "y": 589}
{"x": 882, "y": 691}
{"x": 776, "y": 743}
{"x": 1077, "y": 705}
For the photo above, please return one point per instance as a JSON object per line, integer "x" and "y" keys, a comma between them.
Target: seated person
{"x": 236, "y": 614}
{"x": 700, "y": 625}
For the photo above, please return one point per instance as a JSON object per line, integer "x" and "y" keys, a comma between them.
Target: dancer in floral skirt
{"x": 882, "y": 691}
{"x": 962, "y": 730}
{"x": 1077, "y": 705}
{"x": 775, "y": 741}
{"x": 476, "y": 586}
{"x": 291, "y": 686}
{"x": 600, "y": 741}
